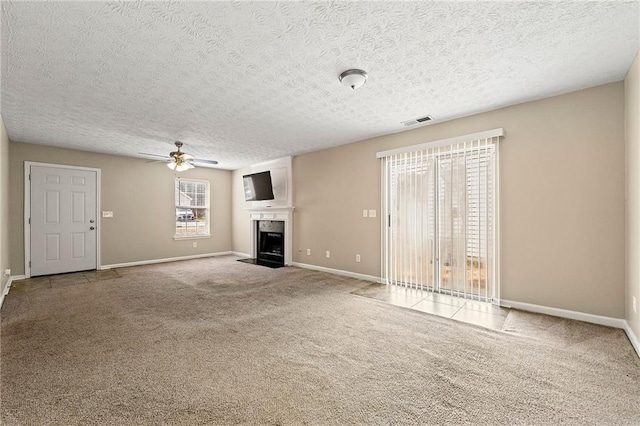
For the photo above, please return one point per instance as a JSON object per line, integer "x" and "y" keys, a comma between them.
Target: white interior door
{"x": 63, "y": 220}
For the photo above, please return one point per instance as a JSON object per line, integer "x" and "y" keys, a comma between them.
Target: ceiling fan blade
{"x": 179, "y": 156}
{"x": 158, "y": 161}
{"x": 154, "y": 155}
{"x": 197, "y": 160}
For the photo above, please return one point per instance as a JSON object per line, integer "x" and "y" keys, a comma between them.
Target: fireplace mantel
{"x": 284, "y": 214}
{"x": 271, "y": 213}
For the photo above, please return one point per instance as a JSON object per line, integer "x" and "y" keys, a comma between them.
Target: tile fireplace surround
{"x": 284, "y": 214}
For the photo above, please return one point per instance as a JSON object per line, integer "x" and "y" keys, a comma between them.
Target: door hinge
{"x": 29, "y": 264}
{"x": 29, "y": 221}
{"x": 29, "y": 176}
{"x": 389, "y": 216}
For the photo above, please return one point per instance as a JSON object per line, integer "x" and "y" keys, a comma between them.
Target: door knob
{"x": 91, "y": 221}
{"x": 92, "y": 228}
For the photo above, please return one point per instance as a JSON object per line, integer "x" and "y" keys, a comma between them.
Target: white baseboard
{"x": 580, "y": 316}
{"x": 337, "y": 272}
{"x": 237, "y": 253}
{"x": 5, "y": 291}
{"x": 632, "y": 337}
{"x": 564, "y": 313}
{"x": 168, "y": 259}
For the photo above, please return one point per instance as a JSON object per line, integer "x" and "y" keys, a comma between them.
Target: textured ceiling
{"x": 247, "y": 82}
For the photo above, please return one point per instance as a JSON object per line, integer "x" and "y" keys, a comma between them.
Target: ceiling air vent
{"x": 417, "y": 121}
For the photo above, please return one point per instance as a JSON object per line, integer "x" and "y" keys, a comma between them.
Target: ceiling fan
{"x": 180, "y": 161}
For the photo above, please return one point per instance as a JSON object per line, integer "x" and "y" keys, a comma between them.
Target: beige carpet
{"x": 215, "y": 341}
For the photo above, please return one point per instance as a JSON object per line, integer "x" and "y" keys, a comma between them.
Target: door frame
{"x": 27, "y": 209}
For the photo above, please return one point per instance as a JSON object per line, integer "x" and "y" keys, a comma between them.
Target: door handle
{"x": 91, "y": 221}
{"x": 92, "y": 228}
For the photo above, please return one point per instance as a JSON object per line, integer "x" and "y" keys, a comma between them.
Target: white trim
{"x": 443, "y": 142}
{"x": 168, "y": 259}
{"x": 27, "y": 209}
{"x": 271, "y": 210}
{"x": 5, "y": 291}
{"x": 237, "y": 253}
{"x": 564, "y": 313}
{"x": 338, "y": 272}
{"x": 496, "y": 226}
{"x": 632, "y": 337}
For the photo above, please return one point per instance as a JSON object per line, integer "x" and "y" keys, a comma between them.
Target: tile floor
{"x": 469, "y": 311}
{"x": 61, "y": 280}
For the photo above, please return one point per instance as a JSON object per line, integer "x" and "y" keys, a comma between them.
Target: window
{"x": 192, "y": 208}
{"x": 440, "y": 206}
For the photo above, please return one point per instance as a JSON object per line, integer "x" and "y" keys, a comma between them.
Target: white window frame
{"x": 207, "y": 207}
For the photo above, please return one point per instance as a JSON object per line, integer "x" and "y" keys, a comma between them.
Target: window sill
{"x": 192, "y": 237}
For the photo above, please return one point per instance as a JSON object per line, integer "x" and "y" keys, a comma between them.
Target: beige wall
{"x": 632, "y": 136}
{"x": 241, "y": 230}
{"x": 4, "y": 206}
{"x": 562, "y": 200}
{"x": 331, "y": 188}
{"x": 140, "y": 194}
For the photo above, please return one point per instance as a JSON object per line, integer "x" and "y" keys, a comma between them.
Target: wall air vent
{"x": 417, "y": 121}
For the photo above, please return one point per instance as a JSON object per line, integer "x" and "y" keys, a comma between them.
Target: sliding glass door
{"x": 441, "y": 219}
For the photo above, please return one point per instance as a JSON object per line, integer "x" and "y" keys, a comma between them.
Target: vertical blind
{"x": 440, "y": 207}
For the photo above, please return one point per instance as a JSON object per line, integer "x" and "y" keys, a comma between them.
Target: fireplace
{"x": 271, "y": 232}
{"x": 270, "y": 242}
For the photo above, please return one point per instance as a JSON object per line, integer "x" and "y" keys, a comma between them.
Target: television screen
{"x": 258, "y": 186}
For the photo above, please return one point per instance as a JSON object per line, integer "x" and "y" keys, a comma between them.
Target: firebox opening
{"x": 269, "y": 244}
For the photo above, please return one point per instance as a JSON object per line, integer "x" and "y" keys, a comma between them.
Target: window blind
{"x": 440, "y": 204}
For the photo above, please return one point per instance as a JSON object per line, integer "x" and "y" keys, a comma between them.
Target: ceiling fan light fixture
{"x": 353, "y": 78}
{"x": 179, "y": 166}
{"x": 182, "y": 167}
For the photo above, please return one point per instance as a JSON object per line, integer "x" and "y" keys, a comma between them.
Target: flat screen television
{"x": 257, "y": 186}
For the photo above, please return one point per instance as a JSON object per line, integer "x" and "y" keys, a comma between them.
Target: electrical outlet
{"x": 308, "y": 252}
{"x": 635, "y": 304}
{"x": 195, "y": 244}
{"x": 7, "y": 272}
{"x": 357, "y": 258}
{"x": 372, "y": 213}
{"x": 328, "y": 254}
{"x": 365, "y": 213}
{"x": 107, "y": 214}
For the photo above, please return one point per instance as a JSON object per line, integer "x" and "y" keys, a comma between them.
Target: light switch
{"x": 372, "y": 213}
{"x": 107, "y": 214}
{"x": 365, "y": 213}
